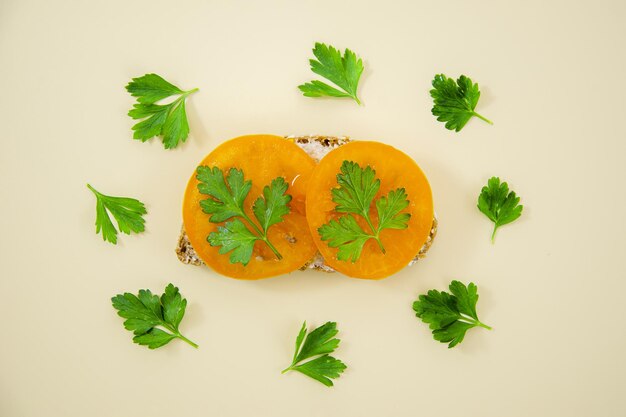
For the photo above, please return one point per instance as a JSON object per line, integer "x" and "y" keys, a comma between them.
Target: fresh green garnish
{"x": 320, "y": 342}
{"x": 357, "y": 188}
{"x": 127, "y": 212}
{"x": 497, "y": 203}
{"x": 454, "y": 103}
{"x": 450, "y": 315}
{"x": 227, "y": 201}
{"x": 166, "y": 120}
{"x": 153, "y": 320}
{"x": 344, "y": 71}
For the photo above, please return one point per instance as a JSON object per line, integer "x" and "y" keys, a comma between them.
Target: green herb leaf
{"x": 320, "y": 341}
{"x": 299, "y": 340}
{"x": 154, "y": 338}
{"x": 466, "y": 298}
{"x": 153, "y": 320}
{"x": 389, "y": 208}
{"x": 154, "y": 117}
{"x": 176, "y": 127}
{"x": 347, "y": 235}
{"x": 270, "y": 209}
{"x": 450, "y": 316}
{"x": 454, "y": 103}
{"x": 236, "y": 237}
{"x": 174, "y": 305}
{"x": 127, "y": 212}
{"x": 166, "y": 120}
{"x": 322, "y": 369}
{"x": 357, "y": 189}
{"x": 151, "y": 88}
{"x": 498, "y": 204}
{"x": 227, "y": 201}
{"x": 317, "y": 88}
{"x": 344, "y": 71}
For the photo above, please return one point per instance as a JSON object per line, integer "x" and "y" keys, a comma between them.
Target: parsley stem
{"x": 493, "y": 235}
{"x": 357, "y": 100}
{"x": 375, "y": 231}
{"x": 287, "y": 369}
{"x": 180, "y": 336}
{"x": 186, "y": 93}
{"x": 177, "y": 333}
{"x": 182, "y": 97}
{"x": 262, "y": 236}
{"x": 470, "y": 320}
{"x": 382, "y": 248}
{"x": 267, "y": 241}
{"x": 482, "y": 117}
{"x": 93, "y": 189}
{"x": 483, "y": 325}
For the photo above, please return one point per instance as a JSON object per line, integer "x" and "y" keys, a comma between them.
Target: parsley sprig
{"x": 499, "y": 204}
{"x": 454, "y": 103}
{"x": 128, "y": 212}
{"x": 320, "y": 342}
{"x": 147, "y": 315}
{"x": 357, "y": 189}
{"x": 227, "y": 201}
{"x": 450, "y": 316}
{"x": 166, "y": 120}
{"x": 344, "y": 71}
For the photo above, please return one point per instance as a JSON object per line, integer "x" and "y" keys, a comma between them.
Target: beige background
{"x": 551, "y": 74}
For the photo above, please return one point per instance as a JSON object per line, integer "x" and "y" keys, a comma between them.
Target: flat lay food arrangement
{"x": 260, "y": 206}
{"x": 315, "y": 208}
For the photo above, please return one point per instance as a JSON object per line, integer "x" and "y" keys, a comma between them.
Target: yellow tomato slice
{"x": 262, "y": 158}
{"x": 395, "y": 170}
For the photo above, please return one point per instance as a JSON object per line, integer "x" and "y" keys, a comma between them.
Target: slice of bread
{"x": 317, "y": 147}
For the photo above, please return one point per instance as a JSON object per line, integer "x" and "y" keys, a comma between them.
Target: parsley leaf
{"x": 145, "y": 311}
{"x": 236, "y": 237}
{"x": 271, "y": 208}
{"x": 347, "y": 235}
{"x": 344, "y": 71}
{"x": 497, "y": 203}
{"x": 166, "y": 120}
{"x": 450, "y": 316}
{"x": 127, "y": 212}
{"x": 455, "y": 103}
{"x": 320, "y": 341}
{"x": 389, "y": 208}
{"x": 357, "y": 189}
{"x": 226, "y": 201}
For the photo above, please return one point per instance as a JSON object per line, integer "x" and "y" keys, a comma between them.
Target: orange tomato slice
{"x": 395, "y": 170}
{"x": 262, "y": 158}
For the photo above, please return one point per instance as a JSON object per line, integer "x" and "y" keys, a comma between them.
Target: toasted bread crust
{"x": 185, "y": 252}
{"x": 317, "y": 147}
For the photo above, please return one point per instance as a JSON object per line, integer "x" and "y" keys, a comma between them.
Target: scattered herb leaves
{"x": 450, "y": 316}
{"x": 344, "y": 71}
{"x": 499, "y": 204}
{"x": 153, "y": 320}
{"x": 320, "y": 342}
{"x": 454, "y": 103}
{"x": 357, "y": 189}
{"x": 166, "y": 120}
